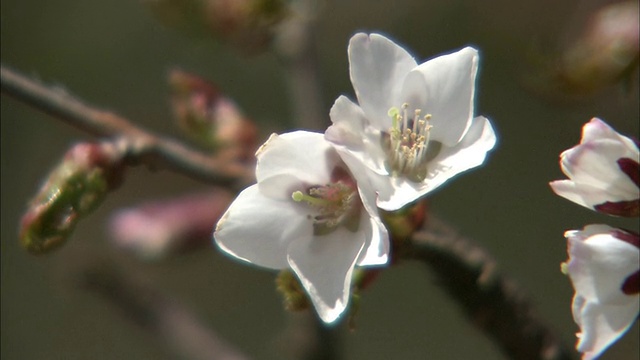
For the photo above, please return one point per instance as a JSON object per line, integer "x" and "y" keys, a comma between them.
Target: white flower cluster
{"x": 314, "y": 208}
{"x": 603, "y": 261}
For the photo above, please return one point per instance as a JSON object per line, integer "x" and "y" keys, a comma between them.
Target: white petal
{"x": 376, "y": 251}
{"x": 282, "y": 186}
{"x": 382, "y": 183}
{"x": 324, "y": 265}
{"x": 348, "y": 123}
{"x": 349, "y": 131}
{"x": 305, "y": 155}
{"x": 599, "y": 264}
{"x": 597, "y": 129}
{"x": 595, "y": 164}
{"x": 582, "y": 194}
{"x": 252, "y": 231}
{"x": 467, "y": 154}
{"x": 377, "y": 67}
{"x": 444, "y": 87}
{"x": 396, "y": 192}
{"x": 602, "y": 325}
{"x": 470, "y": 152}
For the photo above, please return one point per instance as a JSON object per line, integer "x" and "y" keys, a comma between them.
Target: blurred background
{"x": 116, "y": 56}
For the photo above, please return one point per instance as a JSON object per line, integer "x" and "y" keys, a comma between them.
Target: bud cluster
{"x": 211, "y": 118}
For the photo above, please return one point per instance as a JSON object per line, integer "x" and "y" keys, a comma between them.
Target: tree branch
{"x": 494, "y": 304}
{"x": 143, "y": 146}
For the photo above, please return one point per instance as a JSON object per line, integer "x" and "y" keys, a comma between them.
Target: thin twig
{"x": 164, "y": 317}
{"x": 494, "y": 303}
{"x": 144, "y": 147}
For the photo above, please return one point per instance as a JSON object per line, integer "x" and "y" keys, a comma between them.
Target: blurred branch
{"x": 296, "y": 46}
{"x": 162, "y": 316}
{"x": 143, "y": 146}
{"x": 494, "y": 304}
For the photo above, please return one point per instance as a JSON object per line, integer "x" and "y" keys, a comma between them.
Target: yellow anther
{"x": 408, "y": 142}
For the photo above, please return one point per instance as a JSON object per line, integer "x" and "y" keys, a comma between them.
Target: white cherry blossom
{"x": 603, "y": 267}
{"x": 413, "y": 127}
{"x": 603, "y": 171}
{"x": 306, "y": 213}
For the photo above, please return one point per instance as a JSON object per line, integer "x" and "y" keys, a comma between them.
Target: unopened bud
{"x": 73, "y": 189}
{"x": 403, "y": 223}
{"x": 157, "y": 229}
{"x": 362, "y": 279}
{"x": 248, "y": 25}
{"x": 295, "y": 297}
{"x": 211, "y": 118}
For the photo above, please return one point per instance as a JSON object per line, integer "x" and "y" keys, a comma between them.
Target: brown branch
{"x": 494, "y": 304}
{"x": 143, "y": 146}
{"x": 164, "y": 317}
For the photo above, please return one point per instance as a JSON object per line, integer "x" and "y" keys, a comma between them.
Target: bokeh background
{"x": 115, "y": 55}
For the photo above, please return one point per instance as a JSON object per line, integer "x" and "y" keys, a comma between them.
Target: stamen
{"x": 404, "y": 115}
{"x": 408, "y": 143}
{"x": 417, "y": 116}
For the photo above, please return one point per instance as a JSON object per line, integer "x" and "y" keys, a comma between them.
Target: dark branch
{"x": 143, "y": 146}
{"x": 493, "y": 302}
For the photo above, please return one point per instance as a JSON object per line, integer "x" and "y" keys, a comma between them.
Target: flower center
{"x": 407, "y": 143}
{"x": 336, "y": 204}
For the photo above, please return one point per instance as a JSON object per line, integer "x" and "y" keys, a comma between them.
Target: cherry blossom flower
{"x": 306, "y": 213}
{"x": 413, "y": 127}
{"x": 603, "y": 267}
{"x": 603, "y": 171}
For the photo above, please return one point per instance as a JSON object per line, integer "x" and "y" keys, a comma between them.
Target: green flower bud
{"x": 295, "y": 297}
{"x": 404, "y": 222}
{"x": 73, "y": 189}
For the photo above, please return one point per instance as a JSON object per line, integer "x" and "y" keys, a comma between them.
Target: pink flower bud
{"x": 211, "y": 118}
{"x": 606, "y": 53}
{"x": 157, "y": 229}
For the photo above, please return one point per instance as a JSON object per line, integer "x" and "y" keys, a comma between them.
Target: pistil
{"x": 336, "y": 204}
